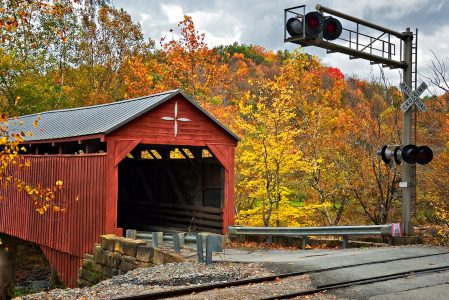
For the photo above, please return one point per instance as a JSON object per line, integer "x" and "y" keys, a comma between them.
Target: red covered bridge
{"x": 159, "y": 160}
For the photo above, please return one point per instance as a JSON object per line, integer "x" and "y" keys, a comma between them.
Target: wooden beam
{"x": 70, "y": 139}
{"x": 122, "y": 148}
{"x": 152, "y": 154}
{"x": 136, "y": 153}
{"x": 164, "y": 153}
{"x": 184, "y": 153}
{"x": 197, "y": 153}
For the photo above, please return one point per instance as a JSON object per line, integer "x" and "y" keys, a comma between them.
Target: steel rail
{"x": 350, "y": 283}
{"x": 211, "y": 286}
{"x": 313, "y": 231}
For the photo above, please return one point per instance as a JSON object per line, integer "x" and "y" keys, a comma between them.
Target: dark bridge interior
{"x": 171, "y": 187}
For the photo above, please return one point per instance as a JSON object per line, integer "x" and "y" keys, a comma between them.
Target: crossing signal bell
{"x": 411, "y": 154}
{"x": 315, "y": 25}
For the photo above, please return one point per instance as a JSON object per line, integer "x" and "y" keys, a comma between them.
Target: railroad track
{"x": 318, "y": 289}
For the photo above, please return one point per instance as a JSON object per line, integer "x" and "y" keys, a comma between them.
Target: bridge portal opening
{"x": 171, "y": 188}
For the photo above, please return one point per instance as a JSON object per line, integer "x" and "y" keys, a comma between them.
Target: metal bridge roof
{"x": 96, "y": 119}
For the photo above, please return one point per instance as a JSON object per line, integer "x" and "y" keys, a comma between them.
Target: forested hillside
{"x": 309, "y": 134}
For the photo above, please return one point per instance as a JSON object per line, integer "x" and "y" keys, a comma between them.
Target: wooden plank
{"x": 164, "y": 219}
{"x": 212, "y": 210}
{"x": 167, "y": 211}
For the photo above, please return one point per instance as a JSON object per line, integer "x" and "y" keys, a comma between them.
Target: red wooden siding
{"x": 152, "y": 129}
{"x": 65, "y": 264}
{"x": 71, "y": 234}
{"x": 225, "y": 154}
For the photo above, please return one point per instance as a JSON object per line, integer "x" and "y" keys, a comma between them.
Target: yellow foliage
{"x": 285, "y": 216}
{"x": 12, "y": 165}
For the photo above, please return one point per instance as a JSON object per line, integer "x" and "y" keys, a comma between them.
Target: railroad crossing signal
{"x": 315, "y": 25}
{"x": 411, "y": 154}
{"x": 377, "y": 49}
{"x": 413, "y": 97}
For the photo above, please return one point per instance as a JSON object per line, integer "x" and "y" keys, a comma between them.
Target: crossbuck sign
{"x": 413, "y": 97}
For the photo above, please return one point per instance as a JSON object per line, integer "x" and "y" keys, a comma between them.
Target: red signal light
{"x": 412, "y": 154}
{"x": 312, "y": 21}
{"x": 314, "y": 24}
{"x": 424, "y": 155}
{"x": 332, "y": 28}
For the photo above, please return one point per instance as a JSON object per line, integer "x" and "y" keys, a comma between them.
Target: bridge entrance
{"x": 173, "y": 187}
{"x": 158, "y": 160}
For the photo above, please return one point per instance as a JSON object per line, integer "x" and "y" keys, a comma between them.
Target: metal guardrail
{"x": 314, "y": 231}
{"x": 305, "y": 232}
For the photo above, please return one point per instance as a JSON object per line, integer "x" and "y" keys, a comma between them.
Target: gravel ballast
{"x": 158, "y": 278}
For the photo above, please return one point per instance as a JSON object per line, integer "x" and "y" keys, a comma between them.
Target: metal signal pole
{"x": 308, "y": 30}
{"x": 408, "y": 170}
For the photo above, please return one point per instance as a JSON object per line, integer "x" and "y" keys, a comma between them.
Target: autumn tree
{"x": 189, "y": 64}
{"x": 327, "y": 124}
{"x": 270, "y": 161}
{"x": 309, "y": 135}
{"x": 25, "y": 61}
{"x": 374, "y": 185}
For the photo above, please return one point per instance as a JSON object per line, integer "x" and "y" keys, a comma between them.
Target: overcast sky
{"x": 260, "y": 22}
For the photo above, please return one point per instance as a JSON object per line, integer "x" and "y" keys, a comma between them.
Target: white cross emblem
{"x": 176, "y": 119}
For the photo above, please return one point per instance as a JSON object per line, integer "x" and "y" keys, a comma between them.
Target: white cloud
{"x": 173, "y": 12}
{"x": 226, "y": 39}
{"x": 144, "y": 17}
{"x": 260, "y": 23}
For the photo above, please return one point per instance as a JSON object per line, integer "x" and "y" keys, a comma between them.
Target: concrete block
{"x": 88, "y": 256}
{"x": 118, "y": 245}
{"x": 98, "y": 254}
{"x": 126, "y": 266}
{"x": 110, "y": 272}
{"x": 129, "y": 246}
{"x": 164, "y": 257}
{"x": 158, "y": 258}
{"x": 104, "y": 257}
{"x": 107, "y": 241}
{"x": 90, "y": 265}
{"x": 112, "y": 259}
{"x": 145, "y": 254}
{"x": 129, "y": 259}
{"x": 92, "y": 277}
